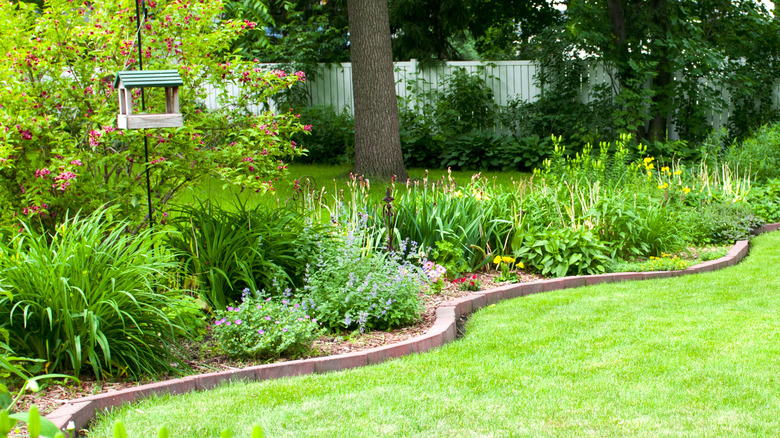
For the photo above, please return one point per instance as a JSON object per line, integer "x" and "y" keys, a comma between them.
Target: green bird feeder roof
{"x": 149, "y": 78}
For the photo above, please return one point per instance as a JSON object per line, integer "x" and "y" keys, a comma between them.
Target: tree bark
{"x": 377, "y": 139}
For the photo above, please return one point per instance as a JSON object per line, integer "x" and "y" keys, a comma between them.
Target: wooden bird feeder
{"x": 127, "y": 80}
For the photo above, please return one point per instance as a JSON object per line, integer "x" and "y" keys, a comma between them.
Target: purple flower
{"x": 297, "y": 305}
{"x": 300, "y": 319}
{"x": 259, "y": 307}
{"x": 230, "y": 309}
{"x": 218, "y": 322}
{"x": 227, "y": 323}
{"x": 260, "y": 332}
{"x": 238, "y": 322}
{"x": 277, "y": 322}
{"x": 284, "y": 329}
{"x": 267, "y": 318}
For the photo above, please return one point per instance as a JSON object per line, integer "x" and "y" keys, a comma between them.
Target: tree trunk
{"x": 377, "y": 141}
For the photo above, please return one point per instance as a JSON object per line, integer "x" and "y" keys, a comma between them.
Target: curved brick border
{"x": 81, "y": 411}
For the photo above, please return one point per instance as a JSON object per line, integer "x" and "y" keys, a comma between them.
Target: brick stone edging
{"x": 81, "y": 411}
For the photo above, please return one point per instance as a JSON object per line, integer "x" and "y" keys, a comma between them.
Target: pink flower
{"x": 307, "y": 128}
{"x": 41, "y": 173}
{"x": 301, "y": 76}
{"x": 93, "y": 138}
{"x": 76, "y": 162}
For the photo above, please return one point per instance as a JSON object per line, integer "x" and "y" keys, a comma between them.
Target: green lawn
{"x": 332, "y": 178}
{"x": 691, "y": 356}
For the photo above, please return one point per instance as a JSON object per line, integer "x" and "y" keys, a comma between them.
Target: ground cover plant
{"x": 692, "y": 355}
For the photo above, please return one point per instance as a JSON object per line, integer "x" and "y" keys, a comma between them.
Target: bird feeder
{"x": 127, "y": 80}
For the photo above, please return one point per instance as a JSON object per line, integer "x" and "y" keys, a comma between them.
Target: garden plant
{"x": 88, "y": 290}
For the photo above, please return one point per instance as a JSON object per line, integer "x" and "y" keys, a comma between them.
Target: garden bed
{"x": 55, "y": 395}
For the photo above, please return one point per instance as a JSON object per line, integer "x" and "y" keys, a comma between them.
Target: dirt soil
{"x": 204, "y": 357}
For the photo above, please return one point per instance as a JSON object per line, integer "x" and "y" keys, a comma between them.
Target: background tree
{"x": 377, "y": 141}
{"x": 681, "y": 48}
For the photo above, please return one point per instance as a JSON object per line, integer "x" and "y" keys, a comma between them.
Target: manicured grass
{"x": 690, "y": 356}
{"x": 332, "y": 178}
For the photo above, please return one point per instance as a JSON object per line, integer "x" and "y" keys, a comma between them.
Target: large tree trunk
{"x": 377, "y": 141}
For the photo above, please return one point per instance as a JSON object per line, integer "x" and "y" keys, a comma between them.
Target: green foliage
{"x": 60, "y": 148}
{"x": 475, "y": 218}
{"x": 667, "y": 262}
{"x": 352, "y": 289}
{"x": 266, "y": 328}
{"x": 765, "y": 201}
{"x": 332, "y": 137}
{"x": 720, "y": 222}
{"x": 228, "y": 250}
{"x": 91, "y": 295}
{"x": 760, "y": 153}
{"x": 449, "y": 256}
{"x": 656, "y": 78}
{"x": 561, "y": 252}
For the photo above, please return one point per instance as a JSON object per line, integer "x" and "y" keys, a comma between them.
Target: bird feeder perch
{"x": 127, "y": 80}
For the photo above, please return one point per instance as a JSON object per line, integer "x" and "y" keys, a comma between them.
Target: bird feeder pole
{"x": 140, "y": 6}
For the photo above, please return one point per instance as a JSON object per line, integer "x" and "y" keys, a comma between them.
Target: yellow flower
{"x": 458, "y": 194}
{"x": 507, "y": 259}
{"x": 677, "y": 172}
{"x": 686, "y": 190}
{"x": 497, "y": 260}
{"x": 649, "y": 166}
{"x": 520, "y": 265}
{"x": 648, "y": 159}
{"x": 665, "y": 169}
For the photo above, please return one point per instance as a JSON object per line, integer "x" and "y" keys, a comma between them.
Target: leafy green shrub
{"x": 91, "y": 295}
{"x": 352, "y": 290}
{"x": 561, "y": 252}
{"x": 266, "y": 328}
{"x": 765, "y": 200}
{"x": 332, "y": 136}
{"x": 634, "y": 227}
{"x": 229, "y": 250}
{"x": 760, "y": 153}
{"x": 450, "y": 257}
{"x": 719, "y": 222}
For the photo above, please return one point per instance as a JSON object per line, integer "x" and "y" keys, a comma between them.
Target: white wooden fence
{"x": 509, "y": 80}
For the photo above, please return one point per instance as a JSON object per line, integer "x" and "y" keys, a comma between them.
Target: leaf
{"x": 119, "y": 430}
{"x": 47, "y": 428}
{"x": 257, "y": 431}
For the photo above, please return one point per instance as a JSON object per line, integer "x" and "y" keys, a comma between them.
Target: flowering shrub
{"x": 356, "y": 291}
{"x": 266, "y": 328}
{"x": 59, "y": 145}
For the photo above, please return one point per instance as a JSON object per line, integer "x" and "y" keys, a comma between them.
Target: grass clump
{"x": 91, "y": 295}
